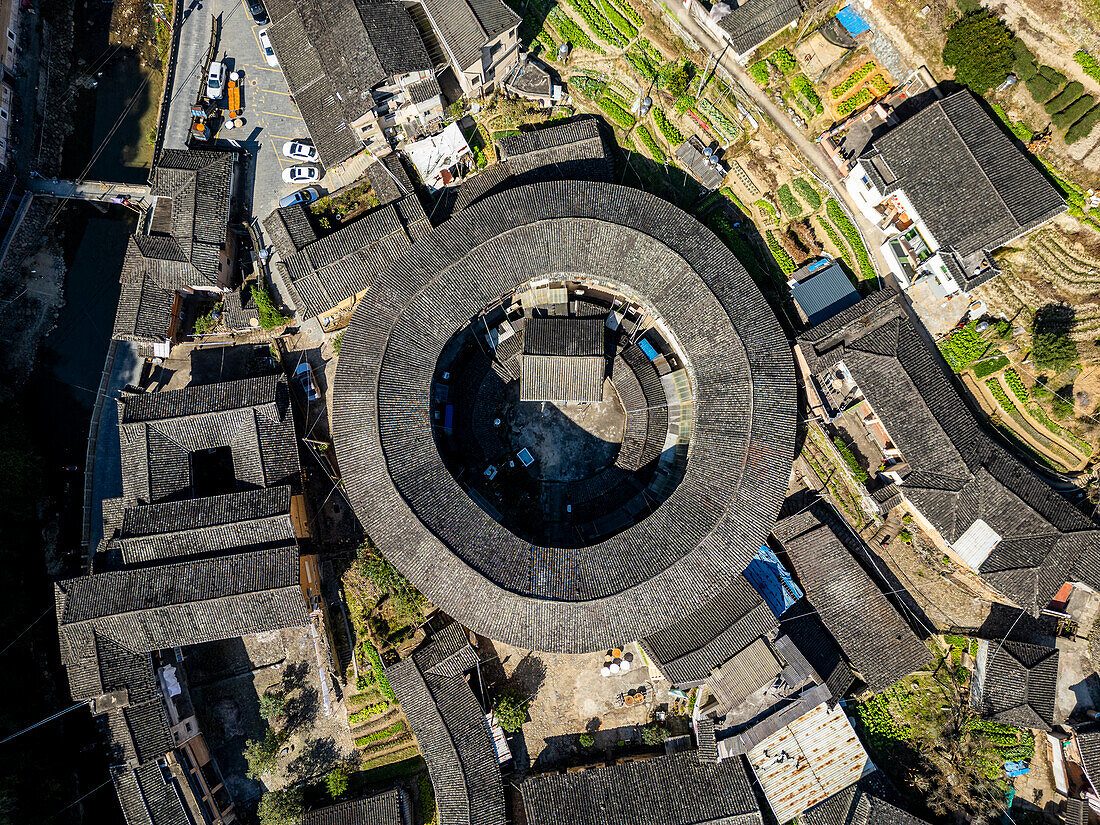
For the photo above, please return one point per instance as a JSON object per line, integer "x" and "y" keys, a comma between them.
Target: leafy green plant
{"x": 768, "y": 211}
{"x": 906, "y": 536}
{"x": 597, "y": 23}
{"x": 368, "y": 712}
{"x": 783, "y": 60}
{"x": 785, "y": 261}
{"x": 859, "y": 99}
{"x": 674, "y": 77}
{"x": 379, "y": 735}
{"x": 270, "y": 317}
{"x": 205, "y": 324}
{"x": 1020, "y": 130}
{"x": 981, "y": 49}
{"x": 963, "y": 347}
{"x": 588, "y": 86}
{"x": 989, "y": 366}
{"x": 807, "y": 192}
{"x": 718, "y": 118}
{"x": 1001, "y": 397}
{"x": 379, "y": 671}
{"x": 879, "y": 83}
{"x": 572, "y": 33}
{"x": 851, "y": 235}
{"x": 834, "y": 236}
{"x": 337, "y": 341}
{"x": 850, "y": 459}
{"x": 640, "y": 62}
{"x": 759, "y": 72}
{"x": 1087, "y": 62}
{"x": 273, "y": 705}
{"x": 617, "y": 113}
{"x": 851, "y": 80}
{"x": 336, "y": 782}
{"x": 625, "y": 8}
{"x": 801, "y": 85}
{"x": 667, "y": 127}
{"x": 647, "y": 140}
{"x": 653, "y": 734}
{"x": 586, "y": 740}
{"x": 1016, "y": 384}
{"x": 510, "y": 711}
{"x": 788, "y": 201}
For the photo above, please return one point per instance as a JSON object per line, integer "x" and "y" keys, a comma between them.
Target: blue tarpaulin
{"x": 772, "y": 581}
{"x": 1016, "y": 768}
{"x": 851, "y": 21}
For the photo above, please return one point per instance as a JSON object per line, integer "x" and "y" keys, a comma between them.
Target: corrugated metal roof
{"x": 809, "y": 760}
{"x": 824, "y": 294}
{"x": 975, "y": 545}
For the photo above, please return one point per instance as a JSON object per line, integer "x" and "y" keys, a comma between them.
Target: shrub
{"x": 851, "y": 235}
{"x": 800, "y": 84}
{"x": 850, "y": 459}
{"x": 963, "y": 347}
{"x": 510, "y": 711}
{"x": 685, "y": 102}
{"x": 674, "y": 77}
{"x": 283, "y": 807}
{"x": 981, "y": 49}
{"x": 1053, "y": 349}
{"x": 270, "y": 317}
{"x": 336, "y": 782}
{"x": 785, "y": 261}
{"x": 906, "y": 536}
{"x": 206, "y": 324}
{"x": 788, "y": 201}
{"x": 1065, "y": 97}
{"x": 807, "y": 192}
{"x": 1060, "y": 404}
{"x": 653, "y": 734}
{"x": 262, "y": 755}
{"x": 273, "y": 705}
{"x": 880, "y": 84}
{"x": 1045, "y": 83}
{"x": 647, "y": 140}
{"x": 617, "y": 113}
{"x": 667, "y": 127}
{"x": 860, "y": 98}
{"x": 783, "y": 60}
{"x": 1087, "y": 62}
{"x": 1073, "y": 112}
{"x": 1024, "y": 63}
{"x": 851, "y": 80}
{"x": 588, "y": 86}
{"x": 1084, "y": 126}
{"x": 759, "y": 72}
{"x": 989, "y": 366}
{"x": 586, "y": 740}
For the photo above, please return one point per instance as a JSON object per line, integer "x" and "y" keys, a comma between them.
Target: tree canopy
{"x": 981, "y": 49}
{"x": 510, "y": 711}
{"x": 283, "y": 807}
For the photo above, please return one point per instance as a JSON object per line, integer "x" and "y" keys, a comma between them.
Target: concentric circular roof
{"x": 739, "y": 418}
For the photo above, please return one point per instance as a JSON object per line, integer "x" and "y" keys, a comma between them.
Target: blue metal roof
{"x": 648, "y": 349}
{"x": 771, "y": 580}
{"x": 851, "y": 21}
{"x": 824, "y": 294}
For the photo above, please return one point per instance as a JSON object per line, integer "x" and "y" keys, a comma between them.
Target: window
{"x": 11, "y": 35}
{"x": 3, "y": 114}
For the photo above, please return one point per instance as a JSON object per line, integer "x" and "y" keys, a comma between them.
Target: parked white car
{"x": 269, "y": 53}
{"x": 300, "y": 151}
{"x": 215, "y": 81}
{"x": 301, "y": 174}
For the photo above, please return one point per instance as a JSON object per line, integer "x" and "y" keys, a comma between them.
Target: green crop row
{"x": 379, "y": 735}
{"x": 785, "y": 261}
{"x": 588, "y": 86}
{"x": 640, "y": 63}
{"x": 851, "y": 235}
{"x": 1083, "y": 126}
{"x": 851, "y": 80}
{"x": 573, "y": 33}
{"x": 617, "y": 98}
{"x": 963, "y": 347}
{"x": 369, "y": 711}
{"x": 997, "y": 391}
{"x": 1087, "y": 62}
{"x": 667, "y": 127}
{"x": 1065, "y": 97}
{"x": 759, "y": 72}
{"x": 617, "y": 113}
{"x": 647, "y": 140}
{"x": 718, "y": 118}
{"x": 1072, "y": 113}
{"x": 801, "y": 84}
{"x": 849, "y": 105}
{"x": 1039, "y": 414}
{"x": 850, "y": 459}
{"x": 379, "y": 671}
{"x": 768, "y": 210}
{"x": 989, "y": 366}
{"x": 834, "y": 236}
{"x": 628, "y": 11}
{"x": 807, "y": 192}
{"x": 1044, "y": 83}
{"x": 1017, "y": 385}
{"x": 619, "y": 22}
{"x": 880, "y": 84}
{"x": 783, "y": 60}
{"x": 788, "y": 201}
{"x": 597, "y": 23}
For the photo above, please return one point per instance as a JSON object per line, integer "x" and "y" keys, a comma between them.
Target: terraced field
{"x": 379, "y": 728}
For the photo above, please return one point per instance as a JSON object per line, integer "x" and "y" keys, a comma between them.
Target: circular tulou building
{"x": 567, "y": 415}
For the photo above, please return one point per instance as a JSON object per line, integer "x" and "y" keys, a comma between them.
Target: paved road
{"x": 89, "y": 190}
{"x": 270, "y": 116}
{"x": 810, "y": 151}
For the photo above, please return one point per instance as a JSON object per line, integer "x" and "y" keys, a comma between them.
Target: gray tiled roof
{"x": 669, "y": 790}
{"x": 289, "y": 229}
{"x": 389, "y": 178}
{"x": 754, "y": 21}
{"x": 346, "y": 262}
{"x": 877, "y": 642}
{"x": 991, "y": 193}
{"x": 465, "y": 26}
{"x": 1021, "y": 684}
{"x": 864, "y": 803}
{"x": 197, "y": 184}
{"x": 1077, "y": 812}
{"x": 645, "y": 577}
{"x": 382, "y": 809}
{"x": 333, "y": 53}
{"x": 1088, "y": 742}
{"x": 159, "y": 431}
{"x": 958, "y": 473}
{"x": 451, "y": 730}
{"x": 688, "y": 650}
{"x": 147, "y": 798}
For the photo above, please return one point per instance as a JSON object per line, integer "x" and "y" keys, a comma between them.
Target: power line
{"x": 25, "y": 630}
{"x": 43, "y": 721}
